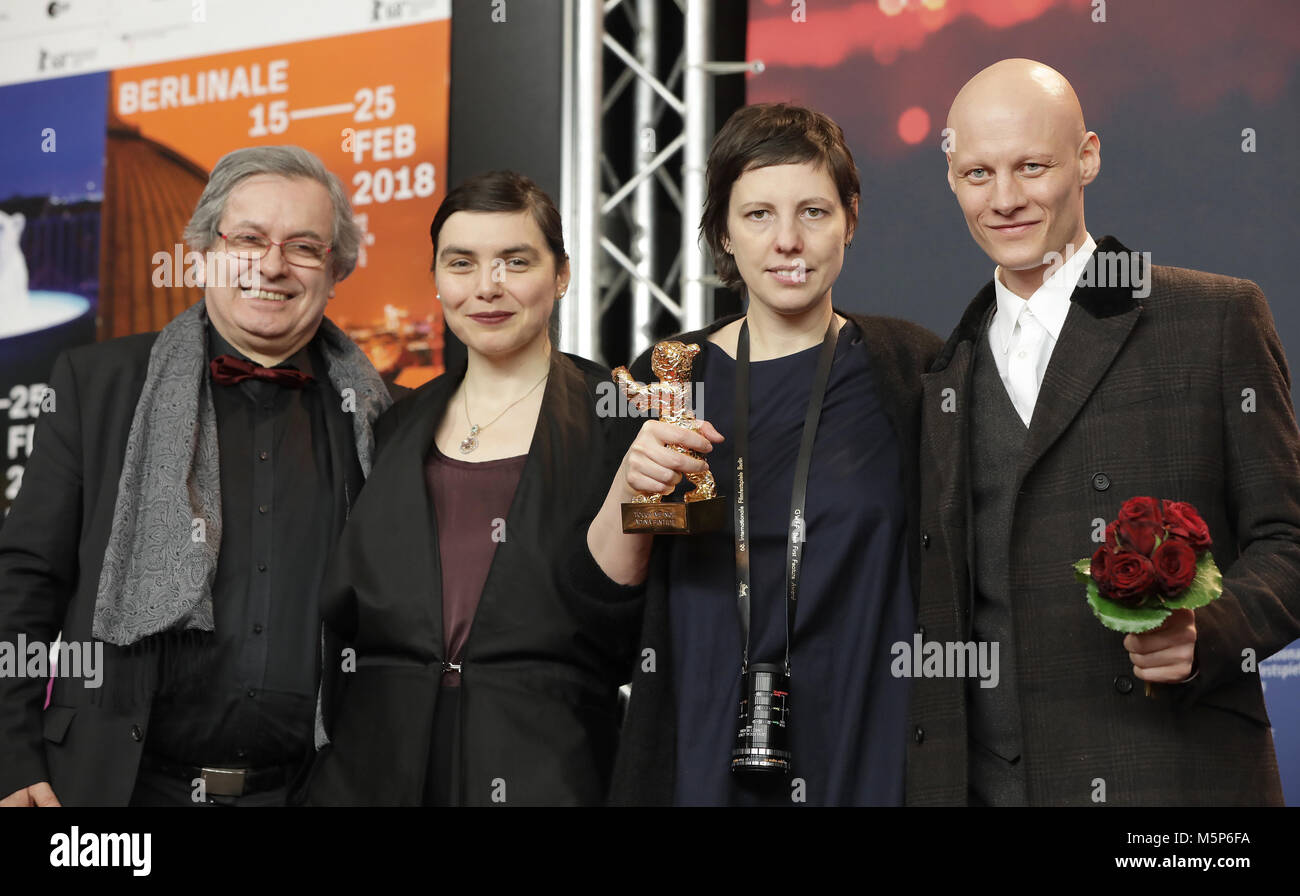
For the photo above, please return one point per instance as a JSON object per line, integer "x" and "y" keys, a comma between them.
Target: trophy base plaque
{"x": 675, "y": 518}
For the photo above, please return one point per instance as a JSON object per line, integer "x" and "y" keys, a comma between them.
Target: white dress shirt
{"x": 1024, "y": 331}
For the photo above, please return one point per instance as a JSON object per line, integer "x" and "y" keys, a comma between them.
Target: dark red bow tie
{"x": 228, "y": 370}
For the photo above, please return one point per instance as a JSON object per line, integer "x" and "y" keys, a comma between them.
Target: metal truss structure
{"x": 628, "y": 263}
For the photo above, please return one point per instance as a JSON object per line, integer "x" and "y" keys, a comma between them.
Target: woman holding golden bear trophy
{"x": 808, "y": 419}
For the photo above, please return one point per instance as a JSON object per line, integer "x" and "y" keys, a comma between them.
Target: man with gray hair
{"x": 178, "y": 512}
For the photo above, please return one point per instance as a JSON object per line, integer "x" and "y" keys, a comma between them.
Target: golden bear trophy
{"x": 703, "y": 510}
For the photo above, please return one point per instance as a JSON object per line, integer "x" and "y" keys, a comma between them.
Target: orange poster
{"x": 372, "y": 105}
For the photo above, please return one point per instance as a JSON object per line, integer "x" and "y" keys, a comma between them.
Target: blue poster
{"x": 51, "y": 190}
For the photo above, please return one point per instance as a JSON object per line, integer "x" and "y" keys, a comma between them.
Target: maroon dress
{"x": 471, "y": 501}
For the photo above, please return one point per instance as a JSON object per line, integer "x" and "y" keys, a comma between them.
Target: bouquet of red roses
{"x": 1156, "y": 559}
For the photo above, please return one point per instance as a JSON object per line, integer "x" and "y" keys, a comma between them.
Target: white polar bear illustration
{"x": 13, "y": 272}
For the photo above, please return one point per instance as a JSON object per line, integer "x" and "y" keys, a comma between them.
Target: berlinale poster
{"x": 117, "y": 124}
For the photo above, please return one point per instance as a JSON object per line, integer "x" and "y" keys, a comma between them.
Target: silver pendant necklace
{"x": 470, "y": 442}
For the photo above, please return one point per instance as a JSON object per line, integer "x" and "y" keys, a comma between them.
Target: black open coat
{"x": 541, "y": 669}
{"x": 898, "y": 352}
{"x": 88, "y": 742}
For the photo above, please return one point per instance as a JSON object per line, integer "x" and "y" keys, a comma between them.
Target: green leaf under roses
{"x": 1115, "y": 616}
{"x": 1083, "y": 570}
{"x": 1207, "y": 585}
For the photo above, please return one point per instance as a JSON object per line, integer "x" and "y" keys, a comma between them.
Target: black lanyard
{"x": 798, "y": 524}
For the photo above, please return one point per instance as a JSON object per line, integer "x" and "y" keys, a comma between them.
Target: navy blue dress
{"x": 848, "y": 714}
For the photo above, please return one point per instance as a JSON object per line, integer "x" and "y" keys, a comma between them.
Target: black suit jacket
{"x": 542, "y": 666}
{"x": 1182, "y": 395}
{"x": 897, "y": 353}
{"x": 88, "y": 742}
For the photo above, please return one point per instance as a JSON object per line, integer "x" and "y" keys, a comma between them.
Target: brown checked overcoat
{"x": 1182, "y": 394}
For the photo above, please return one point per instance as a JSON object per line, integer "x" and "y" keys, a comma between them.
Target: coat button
{"x": 1100, "y": 481}
{"x": 925, "y": 540}
{"x": 1123, "y": 684}
{"x": 136, "y": 734}
{"x": 919, "y": 734}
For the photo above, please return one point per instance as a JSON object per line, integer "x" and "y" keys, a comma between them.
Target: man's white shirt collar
{"x": 1050, "y": 303}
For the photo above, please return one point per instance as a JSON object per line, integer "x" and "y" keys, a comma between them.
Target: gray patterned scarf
{"x": 162, "y": 553}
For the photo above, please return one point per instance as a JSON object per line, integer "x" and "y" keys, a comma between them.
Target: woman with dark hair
{"x": 461, "y": 667}
{"x": 813, "y": 421}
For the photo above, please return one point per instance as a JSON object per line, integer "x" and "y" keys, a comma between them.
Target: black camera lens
{"x": 763, "y": 740}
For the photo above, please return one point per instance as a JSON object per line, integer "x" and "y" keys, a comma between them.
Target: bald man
{"x": 1079, "y": 377}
